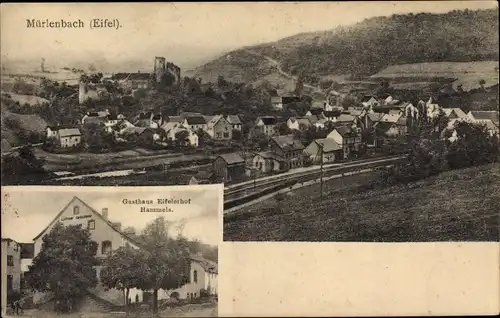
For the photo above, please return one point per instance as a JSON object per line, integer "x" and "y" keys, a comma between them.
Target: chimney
{"x": 104, "y": 213}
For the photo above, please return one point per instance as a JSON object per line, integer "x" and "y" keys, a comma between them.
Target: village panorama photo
{"x": 83, "y": 251}
{"x": 327, "y": 122}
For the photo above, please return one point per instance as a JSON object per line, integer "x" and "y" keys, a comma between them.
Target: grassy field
{"x": 467, "y": 74}
{"x": 454, "y": 206}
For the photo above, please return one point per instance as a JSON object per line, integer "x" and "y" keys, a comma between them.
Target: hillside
{"x": 367, "y": 47}
{"x": 454, "y": 206}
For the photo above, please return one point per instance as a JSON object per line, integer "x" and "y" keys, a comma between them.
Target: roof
{"x": 234, "y": 119}
{"x": 366, "y": 98}
{"x": 390, "y": 118}
{"x": 375, "y": 116}
{"x": 317, "y": 105}
{"x": 196, "y": 120}
{"x": 144, "y": 115}
{"x": 214, "y": 120}
{"x": 276, "y": 99}
{"x": 483, "y": 115}
{"x": 290, "y": 99}
{"x": 384, "y": 95}
{"x": 313, "y": 119}
{"x": 207, "y": 265}
{"x": 270, "y": 155}
{"x": 316, "y": 111}
{"x": 345, "y": 118}
{"x": 232, "y": 158}
{"x": 157, "y": 117}
{"x": 176, "y": 119}
{"x": 66, "y": 132}
{"x": 384, "y": 126}
{"x": 268, "y": 120}
{"x": 331, "y": 113}
{"x": 401, "y": 121}
{"x": 343, "y": 131}
{"x": 460, "y": 113}
{"x": 93, "y": 211}
{"x": 169, "y": 125}
{"x": 355, "y": 112}
{"x": 204, "y": 175}
{"x": 304, "y": 121}
{"x": 328, "y": 145}
{"x": 288, "y": 143}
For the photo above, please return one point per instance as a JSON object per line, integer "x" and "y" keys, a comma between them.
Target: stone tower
{"x": 159, "y": 68}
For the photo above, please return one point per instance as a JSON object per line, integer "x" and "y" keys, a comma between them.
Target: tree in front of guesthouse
{"x": 65, "y": 266}
{"x": 167, "y": 259}
{"x": 124, "y": 269}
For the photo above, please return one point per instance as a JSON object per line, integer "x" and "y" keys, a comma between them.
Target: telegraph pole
{"x": 321, "y": 178}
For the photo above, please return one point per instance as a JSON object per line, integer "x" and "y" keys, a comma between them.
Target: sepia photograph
{"x": 380, "y": 126}
{"x": 110, "y": 252}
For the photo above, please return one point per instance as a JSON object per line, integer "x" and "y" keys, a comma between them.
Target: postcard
{"x": 355, "y": 145}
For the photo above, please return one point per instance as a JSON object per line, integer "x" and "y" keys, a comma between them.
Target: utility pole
{"x": 321, "y": 178}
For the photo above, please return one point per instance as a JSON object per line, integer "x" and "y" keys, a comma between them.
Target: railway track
{"x": 245, "y": 192}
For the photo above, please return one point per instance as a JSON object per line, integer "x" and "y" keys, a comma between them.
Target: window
{"x": 76, "y": 210}
{"x": 9, "y": 282}
{"x": 226, "y": 135}
{"x": 91, "y": 225}
{"x": 10, "y": 260}
{"x": 195, "y": 276}
{"x": 106, "y": 247}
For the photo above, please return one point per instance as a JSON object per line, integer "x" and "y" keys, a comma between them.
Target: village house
{"x": 132, "y": 81}
{"x": 268, "y": 162}
{"x": 92, "y": 117}
{"x": 235, "y": 121}
{"x": 266, "y": 125}
{"x": 323, "y": 105}
{"x": 370, "y": 119}
{"x": 369, "y": 101}
{"x": 349, "y": 138}
{"x": 219, "y": 128}
{"x": 301, "y": 123}
{"x": 172, "y": 129}
{"x": 202, "y": 177}
{"x": 346, "y": 120}
{"x": 289, "y": 148}
{"x": 325, "y": 149}
{"x": 488, "y": 118}
{"x": 202, "y": 277}
{"x": 454, "y": 113}
{"x": 229, "y": 167}
{"x": 315, "y": 112}
{"x": 174, "y": 119}
{"x": 65, "y": 136}
{"x": 277, "y": 102}
{"x": 385, "y": 99}
{"x": 195, "y": 123}
{"x": 11, "y": 269}
{"x": 331, "y": 115}
{"x": 322, "y": 123}
{"x": 106, "y": 234}
{"x": 156, "y": 121}
{"x": 387, "y": 129}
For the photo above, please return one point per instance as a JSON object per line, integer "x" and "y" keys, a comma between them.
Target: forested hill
{"x": 373, "y": 44}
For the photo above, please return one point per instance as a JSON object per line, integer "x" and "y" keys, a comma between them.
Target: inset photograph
{"x": 110, "y": 252}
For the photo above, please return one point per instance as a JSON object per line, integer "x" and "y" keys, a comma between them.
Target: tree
{"x": 65, "y": 266}
{"x": 124, "y": 269}
{"x": 167, "y": 259}
{"x": 299, "y": 86}
{"x": 474, "y": 146}
{"x": 482, "y": 82}
{"x": 181, "y": 138}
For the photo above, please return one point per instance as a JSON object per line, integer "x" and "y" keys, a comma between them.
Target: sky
{"x": 185, "y": 33}
{"x": 26, "y": 211}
